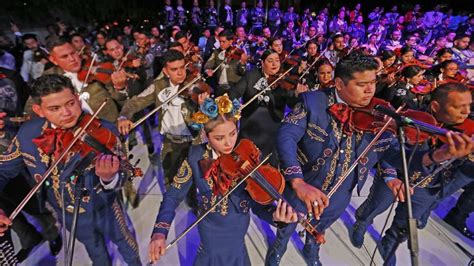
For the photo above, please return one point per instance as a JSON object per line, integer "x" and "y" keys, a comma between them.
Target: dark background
{"x": 31, "y": 13}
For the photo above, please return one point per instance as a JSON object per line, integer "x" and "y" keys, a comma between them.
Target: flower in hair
{"x": 212, "y": 108}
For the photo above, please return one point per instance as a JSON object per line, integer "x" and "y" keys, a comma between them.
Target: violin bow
{"x": 312, "y": 64}
{"x": 198, "y": 220}
{"x": 94, "y": 57}
{"x": 343, "y": 177}
{"x": 266, "y": 89}
{"x": 50, "y": 170}
{"x": 185, "y": 87}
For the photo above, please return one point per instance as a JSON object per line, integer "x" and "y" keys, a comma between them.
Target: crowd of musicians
{"x": 229, "y": 90}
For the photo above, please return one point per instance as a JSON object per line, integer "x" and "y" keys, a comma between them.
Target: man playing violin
{"x": 174, "y": 117}
{"x": 39, "y": 143}
{"x": 450, "y": 105}
{"x": 317, "y": 147}
{"x": 91, "y": 93}
{"x": 115, "y": 51}
{"x": 234, "y": 63}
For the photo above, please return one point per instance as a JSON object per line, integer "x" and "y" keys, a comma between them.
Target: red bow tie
{"x": 51, "y": 142}
{"x": 343, "y": 113}
{"x": 211, "y": 170}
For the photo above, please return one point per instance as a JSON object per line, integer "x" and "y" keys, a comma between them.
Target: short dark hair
{"x": 405, "y": 49}
{"x": 49, "y": 84}
{"x": 443, "y": 51}
{"x": 322, "y": 62}
{"x": 175, "y": 44}
{"x": 272, "y": 40}
{"x": 338, "y": 35}
{"x": 266, "y": 53}
{"x": 180, "y": 35}
{"x": 352, "y": 63}
{"x": 387, "y": 54}
{"x": 29, "y": 36}
{"x": 53, "y": 42}
{"x": 171, "y": 56}
{"x": 227, "y": 34}
{"x": 411, "y": 71}
{"x": 447, "y": 62}
{"x": 312, "y": 41}
{"x": 441, "y": 93}
{"x": 461, "y": 36}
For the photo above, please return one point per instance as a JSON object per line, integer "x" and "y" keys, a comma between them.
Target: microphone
{"x": 404, "y": 120}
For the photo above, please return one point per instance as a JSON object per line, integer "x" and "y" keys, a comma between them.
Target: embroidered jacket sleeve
{"x": 392, "y": 156}
{"x": 11, "y": 163}
{"x": 172, "y": 198}
{"x": 139, "y": 102}
{"x": 291, "y": 131}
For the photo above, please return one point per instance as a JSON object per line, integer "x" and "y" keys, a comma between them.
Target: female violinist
{"x": 222, "y": 231}
{"x": 442, "y": 55}
{"x": 386, "y": 75}
{"x": 324, "y": 75}
{"x": 404, "y": 91}
{"x": 261, "y": 119}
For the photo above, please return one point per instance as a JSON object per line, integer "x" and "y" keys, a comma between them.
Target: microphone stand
{"x": 412, "y": 227}
{"x": 79, "y": 192}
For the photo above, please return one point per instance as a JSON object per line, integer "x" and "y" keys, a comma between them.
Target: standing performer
{"x": 223, "y": 230}
{"x": 317, "y": 143}
{"x": 40, "y": 142}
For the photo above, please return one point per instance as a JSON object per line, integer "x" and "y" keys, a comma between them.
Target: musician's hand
{"x": 458, "y": 145}
{"x": 398, "y": 189}
{"x": 157, "y": 247}
{"x": 124, "y": 126}
{"x": 209, "y": 72}
{"x": 314, "y": 198}
{"x": 119, "y": 79}
{"x": 302, "y": 66}
{"x": 300, "y": 88}
{"x": 285, "y": 213}
{"x": 14, "y": 28}
{"x": 202, "y": 97}
{"x": 44, "y": 61}
{"x": 106, "y": 166}
{"x": 4, "y": 222}
{"x": 136, "y": 62}
{"x": 2, "y": 122}
{"x": 379, "y": 61}
{"x": 391, "y": 78}
{"x": 243, "y": 58}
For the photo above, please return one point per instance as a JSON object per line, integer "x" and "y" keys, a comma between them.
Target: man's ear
{"x": 165, "y": 71}
{"x": 435, "y": 106}
{"x": 52, "y": 58}
{"x": 37, "y": 109}
{"x": 339, "y": 83}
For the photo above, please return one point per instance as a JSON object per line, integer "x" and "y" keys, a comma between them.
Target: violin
{"x": 322, "y": 86}
{"x": 98, "y": 139}
{"x": 416, "y": 62}
{"x": 367, "y": 119}
{"x": 466, "y": 127}
{"x": 234, "y": 53}
{"x": 197, "y": 88}
{"x": 283, "y": 55}
{"x": 101, "y": 73}
{"x": 267, "y": 183}
{"x": 288, "y": 82}
{"x": 423, "y": 88}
